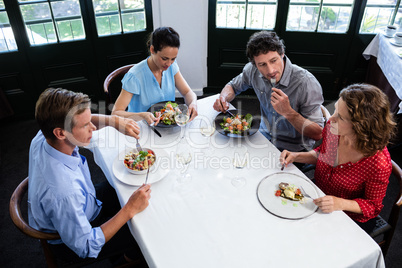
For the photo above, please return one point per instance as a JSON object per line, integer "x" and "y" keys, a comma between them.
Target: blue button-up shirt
{"x": 62, "y": 198}
{"x": 146, "y": 90}
{"x": 305, "y": 97}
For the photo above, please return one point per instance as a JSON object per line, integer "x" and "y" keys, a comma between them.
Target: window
{"x": 52, "y": 21}
{"x": 380, "y": 13}
{"x": 256, "y": 14}
{"x": 332, "y": 16}
{"x": 7, "y": 40}
{"x": 117, "y": 16}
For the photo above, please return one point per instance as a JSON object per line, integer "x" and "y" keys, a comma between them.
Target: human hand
{"x": 149, "y": 117}
{"x": 287, "y": 157}
{"x": 192, "y": 110}
{"x": 280, "y": 102}
{"x": 328, "y": 203}
{"x": 221, "y": 105}
{"x": 138, "y": 201}
{"x": 127, "y": 126}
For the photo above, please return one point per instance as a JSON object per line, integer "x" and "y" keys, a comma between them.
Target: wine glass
{"x": 181, "y": 117}
{"x": 239, "y": 161}
{"x": 183, "y": 150}
{"x": 207, "y": 129}
{"x": 183, "y": 157}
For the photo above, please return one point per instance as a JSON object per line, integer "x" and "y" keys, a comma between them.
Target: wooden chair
{"x": 112, "y": 84}
{"x": 22, "y": 225}
{"x": 387, "y": 227}
{"x": 378, "y": 227}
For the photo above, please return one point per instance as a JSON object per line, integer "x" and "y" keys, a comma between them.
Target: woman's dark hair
{"x": 163, "y": 37}
{"x": 370, "y": 115}
{"x": 263, "y": 42}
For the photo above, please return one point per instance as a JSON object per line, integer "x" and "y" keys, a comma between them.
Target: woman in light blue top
{"x": 154, "y": 79}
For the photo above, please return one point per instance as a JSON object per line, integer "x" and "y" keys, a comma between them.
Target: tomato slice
{"x": 278, "y": 193}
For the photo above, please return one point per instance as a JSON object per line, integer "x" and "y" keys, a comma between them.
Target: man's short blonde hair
{"x": 54, "y": 107}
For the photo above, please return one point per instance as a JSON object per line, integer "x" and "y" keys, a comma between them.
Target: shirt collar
{"x": 71, "y": 161}
{"x": 285, "y": 79}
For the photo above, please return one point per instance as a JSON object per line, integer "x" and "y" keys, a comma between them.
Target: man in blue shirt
{"x": 290, "y": 97}
{"x": 61, "y": 195}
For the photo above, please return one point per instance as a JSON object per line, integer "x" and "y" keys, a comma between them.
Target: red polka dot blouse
{"x": 365, "y": 181}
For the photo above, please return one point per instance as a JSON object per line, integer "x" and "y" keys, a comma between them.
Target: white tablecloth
{"x": 208, "y": 222}
{"x": 388, "y": 60}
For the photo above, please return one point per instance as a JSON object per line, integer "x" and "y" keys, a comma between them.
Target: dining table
{"x": 211, "y": 220}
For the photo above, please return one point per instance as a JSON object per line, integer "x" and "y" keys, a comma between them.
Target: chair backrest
{"x": 112, "y": 84}
{"x": 325, "y": 113}
{"x": 394, "y": 215}
{"x": 23, "y": 226}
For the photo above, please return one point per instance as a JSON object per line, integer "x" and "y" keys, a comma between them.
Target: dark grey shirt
{"x": 305, "y": 97}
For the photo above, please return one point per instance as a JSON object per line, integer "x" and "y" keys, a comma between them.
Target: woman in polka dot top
{"x": 353, "y": 163}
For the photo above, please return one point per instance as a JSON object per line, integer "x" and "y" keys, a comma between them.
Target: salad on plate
{"x": 166, "y": 114}
{"x": 237, "y": 124}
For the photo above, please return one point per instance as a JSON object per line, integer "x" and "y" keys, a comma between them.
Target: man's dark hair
{"x": 263, "y": 42}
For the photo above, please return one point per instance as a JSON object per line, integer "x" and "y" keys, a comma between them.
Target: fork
{"x": 138, "y": 146}
{"x": 273, "y": 81}
{"x": 146, "y": 178}
{"x": 304, "y": 193}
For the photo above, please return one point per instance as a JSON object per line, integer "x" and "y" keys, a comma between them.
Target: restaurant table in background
{"x": 207, "y": 222}
{"x": 390, "y": 64}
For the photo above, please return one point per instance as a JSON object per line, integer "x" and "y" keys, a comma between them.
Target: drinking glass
{"x": 239, "y": 161}
{"x": 183, "y": 150}
{"x": 181, "y": 117}
{"x": 183, "y": 157}
{"x": 207, "y": 129}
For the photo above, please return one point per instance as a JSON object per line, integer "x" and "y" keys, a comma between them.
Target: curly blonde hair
{"x": 371, "y": 118}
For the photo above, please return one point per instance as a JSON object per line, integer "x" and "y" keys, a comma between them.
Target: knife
{"x": 155, "y": 130}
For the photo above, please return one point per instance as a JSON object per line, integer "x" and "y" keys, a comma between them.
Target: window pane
{"x": 132, "y": 4}
{"x": 7, "y": 39}
{"x": 40, "y": 19}
{"x": 108, "y": 25}
{"x": 375, "y": 19}
{"x": 133, "y": 21}
{"x": 378, "y": 14}
{"x": 302, "y": 18}
{"x": 334, "y": 19}
{"x": 320, "y": 15}
{"x": 42, "y": 33}
{"x": 66, "y": 9}
{"x": 230, "y": 16}
{"x": 70, "y": 30}
{"x": 261, "y": 16}
{"x": 34, "y": 12}
{"x": 109, "y": 13}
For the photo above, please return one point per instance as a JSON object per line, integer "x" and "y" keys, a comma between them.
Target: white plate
{"x": 283, "y": 207}
{"x": 161, "y": 169}
{"x": 392, "y": 41}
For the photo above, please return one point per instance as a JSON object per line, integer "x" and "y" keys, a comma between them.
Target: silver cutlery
{"x": 229, "y": 113}
{"x": 283, "y": 167}
{"x": 146, "y": 178}
{"x": 273, "y": 81}
{"x": 304, "y": 193}
{"x": 152, "y": 126}
{"x": 138, "y": 146}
